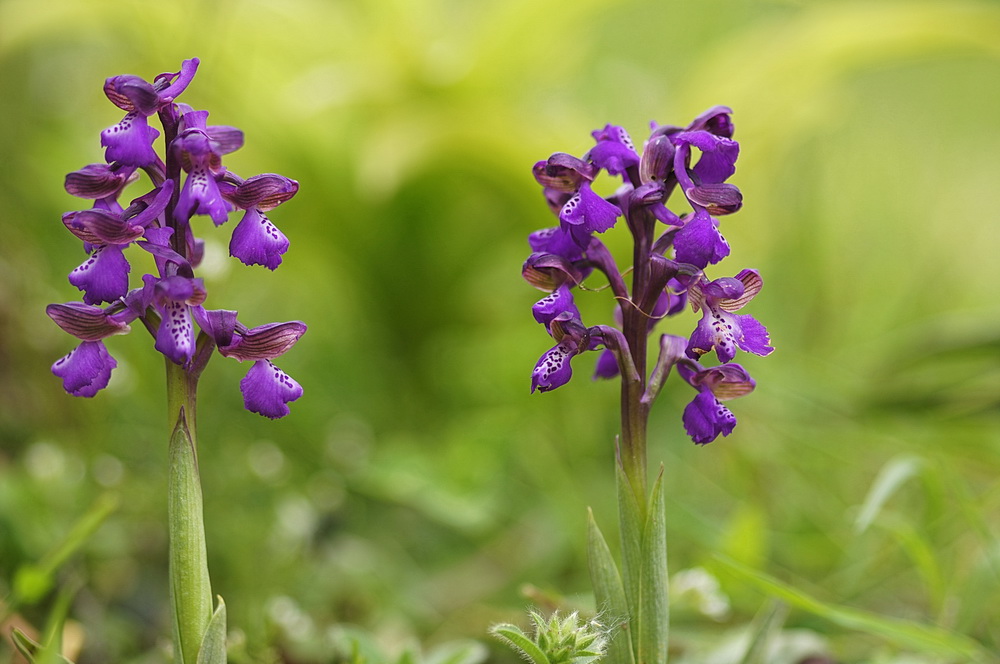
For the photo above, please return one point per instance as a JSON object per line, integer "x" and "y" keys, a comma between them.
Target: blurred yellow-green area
{"x": 417, "y": 488}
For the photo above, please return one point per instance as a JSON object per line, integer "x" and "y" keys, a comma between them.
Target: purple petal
{"x": 220, "y": 324}
{"x": 265, "y": 342}
{"x": 715, "y": 120}
{"x": 84, "y": 321}
{"x": 103, "y": 277}
{"x": 200, "y": 195}
{"x": 256, "y": 241}
{"x": 589, "y": 212}
{"x": 699, "y": 242}
{"x": 607, "y": 365}
{"x": 754, "y": 337}
{"x": 267, "y": 389}
{"x": 614, "y": 151}
{"x": 264, "y": 192}
{"x": 556, "y": 241}
{"x": 130, "y": 142}
{"x": 705, "y": 418}
{"x": 133, "y": 94}
{"x": 175, "y": 336}
{"x": 98, "y": 180}
{"x": 182, "y": 80}
{"x": 553, "y": 368}
{"x": 557, "y": 302}
{"x": 86, "y": 369}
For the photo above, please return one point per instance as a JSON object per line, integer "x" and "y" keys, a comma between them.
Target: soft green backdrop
{"x": 417, "y": 485}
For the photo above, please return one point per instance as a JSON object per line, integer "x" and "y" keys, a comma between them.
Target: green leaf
{"x": 631, "y": 541}
{"x": 653, "y": 624}
{"x": 190, "y": 588}
{"x": 32, "y": 582}
{"x": 893, "y": 475}
{"x": 33, "y": 651}
{"x": 765, "y": 625}
{"x": 465, "y": 651}
{"x": 213, "y": 646}
{"x": 925, "y": 639}
{"x": 609, "y": 595}
{"x": 520, "y": 642}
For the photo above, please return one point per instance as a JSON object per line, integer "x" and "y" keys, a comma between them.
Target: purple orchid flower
{"x": 170, "y": 303}
{"x": 667, "y": 270}
{"x": 719, "y": 327}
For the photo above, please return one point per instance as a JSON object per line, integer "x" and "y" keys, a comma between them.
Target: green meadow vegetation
{"x": 417, "y": 493}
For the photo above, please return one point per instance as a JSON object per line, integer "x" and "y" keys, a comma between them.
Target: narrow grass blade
{"x": 925, "y": 639}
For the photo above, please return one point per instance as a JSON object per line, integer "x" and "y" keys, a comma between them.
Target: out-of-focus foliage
{"x": 417, "y": 485}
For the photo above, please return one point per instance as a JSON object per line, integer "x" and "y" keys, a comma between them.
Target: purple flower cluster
{"x": 670, "y": 254}
{"x": 170, "y": 303}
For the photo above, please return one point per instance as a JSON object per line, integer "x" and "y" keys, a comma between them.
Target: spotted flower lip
{"x": 86, "y": 370}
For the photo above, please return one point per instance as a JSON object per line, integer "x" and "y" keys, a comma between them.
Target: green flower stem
{"x": 190, "y": 587}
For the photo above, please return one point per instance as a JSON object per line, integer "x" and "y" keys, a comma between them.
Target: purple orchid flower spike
{"x": 672, "y": 250}
{"x": 189, "y": 180}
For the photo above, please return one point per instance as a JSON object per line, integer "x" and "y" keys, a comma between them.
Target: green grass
{"x": 417, "y": 486}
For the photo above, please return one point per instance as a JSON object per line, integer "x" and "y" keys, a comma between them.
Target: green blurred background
{"x": 418, "y": 486}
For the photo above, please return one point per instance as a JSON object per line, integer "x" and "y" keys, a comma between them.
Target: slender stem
{"x": 190, "y": 587}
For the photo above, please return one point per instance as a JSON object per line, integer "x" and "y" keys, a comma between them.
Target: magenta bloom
{"x": 672, "y": 249}
{"x": 188, "y": 181}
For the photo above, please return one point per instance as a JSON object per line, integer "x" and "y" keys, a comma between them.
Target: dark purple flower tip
{"x": 171, "y": 85}
{"x": 99, "y": 227}
{"x": 132, "y": 94}
{"x": 705, "y": 418}
{"x": 726, "y": 381}
{"x": 607, "y": 365}
{"x": 257, "y": 241}
{"x": 718, "y": 199}
{"x": 103, "y": 277}
{"x": 554, "y": 304}
{"x": 86, "y": 370}
{"x": 265, "y": 342}
{"x": 699, "y": 241}
{"x": 563, "y": 172}
{"x": 557, "y": 241}
{"x": 264, "y": 192}
{"x": 99, "y": 180}
{"x": 130, "y": 142}
{"x": 267, "y": 390}
{"x": 84, "y": 321}
{"x": 553, "y": 368}
{"x": 547, "y": 272}
{"x": 588, "y": 213}
{"x": 715, "y": 120}
{"x": 657, "y": 160}
{"x": 175, "y": 335}
{"x": 614, "y": 151}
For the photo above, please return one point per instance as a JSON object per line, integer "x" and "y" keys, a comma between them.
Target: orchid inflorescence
{"x": 170, "y": 303}
{"x": 670, "y": 255}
